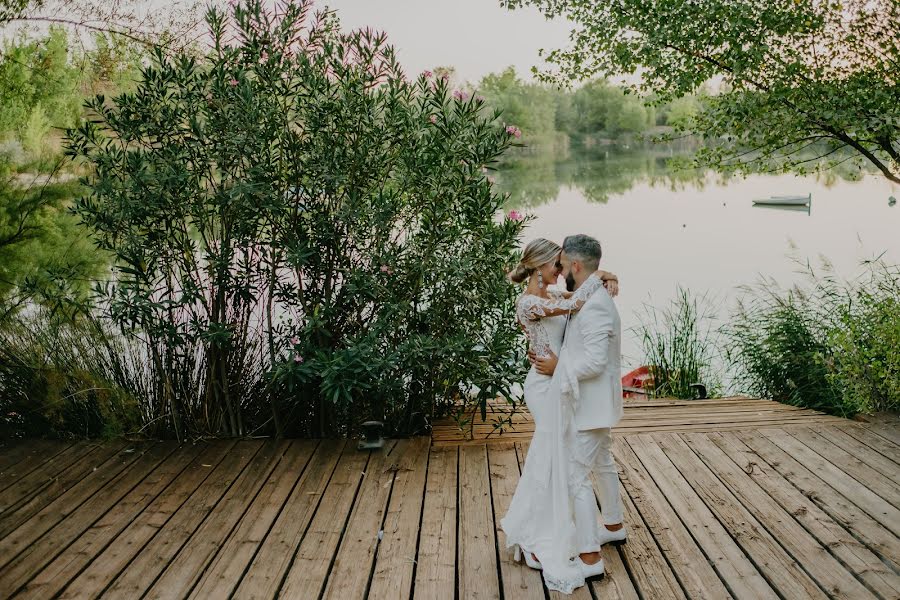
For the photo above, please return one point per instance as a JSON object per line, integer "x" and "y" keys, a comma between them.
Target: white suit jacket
{"x": 592, "y": 356}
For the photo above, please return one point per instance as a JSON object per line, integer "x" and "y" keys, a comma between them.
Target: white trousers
{"x": 594, "y": 453}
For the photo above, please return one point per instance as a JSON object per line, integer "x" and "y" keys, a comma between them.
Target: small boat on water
{"x": 785, "y": 201}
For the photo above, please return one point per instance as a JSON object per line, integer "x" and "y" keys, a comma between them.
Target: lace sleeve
{"x": 587, "y": 289}
{"x": 532, "y": 307}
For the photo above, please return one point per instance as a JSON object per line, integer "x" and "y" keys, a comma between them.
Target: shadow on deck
{"x": 734, "y": 498}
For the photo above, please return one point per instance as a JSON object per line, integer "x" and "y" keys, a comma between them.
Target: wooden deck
{"x": 784, "y": 507}
{"x": 641, "y": 416}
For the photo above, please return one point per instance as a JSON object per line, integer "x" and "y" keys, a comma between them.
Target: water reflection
{"x": 597, "y": 173}
{"x": 663, "y": 227}
{"x": 533, "y": 178}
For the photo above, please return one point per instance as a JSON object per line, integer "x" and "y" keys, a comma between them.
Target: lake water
{"x": 661, "y": 229}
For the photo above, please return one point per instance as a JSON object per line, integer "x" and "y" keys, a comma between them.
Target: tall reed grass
{"x": 680, "y": 344}
{"x": 826, "y": 343}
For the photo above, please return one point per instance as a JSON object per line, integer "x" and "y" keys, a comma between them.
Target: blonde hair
{"x": 538, "y": 252}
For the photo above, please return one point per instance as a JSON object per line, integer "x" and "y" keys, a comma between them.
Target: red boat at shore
{"x": 636, "y": 382}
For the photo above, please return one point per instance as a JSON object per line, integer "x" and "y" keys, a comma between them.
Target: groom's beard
{"x": 570, "y": 282}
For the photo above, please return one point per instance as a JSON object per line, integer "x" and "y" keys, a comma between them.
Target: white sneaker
{"x": 589, "y": 571}
{"x": 616, "y": 538}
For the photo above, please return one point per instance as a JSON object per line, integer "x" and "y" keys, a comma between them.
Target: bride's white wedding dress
{"x": 541, "y": 518}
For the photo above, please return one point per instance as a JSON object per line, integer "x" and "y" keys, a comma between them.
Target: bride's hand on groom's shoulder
{"x": 610, "y": 282}
{"x": 612, "y": 286}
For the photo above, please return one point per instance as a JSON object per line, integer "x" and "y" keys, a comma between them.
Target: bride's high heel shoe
{"x": 521, "y": 553}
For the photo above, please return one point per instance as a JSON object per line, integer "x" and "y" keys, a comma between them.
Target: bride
{"x": 540, "y": 522}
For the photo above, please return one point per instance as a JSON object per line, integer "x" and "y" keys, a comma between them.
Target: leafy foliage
{"x": 301, "y": 236}
{"x": 830, "y": 345}
{"x": 795, "y": 75}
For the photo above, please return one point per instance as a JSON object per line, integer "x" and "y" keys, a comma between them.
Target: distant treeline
{"x": 596, "y": 112}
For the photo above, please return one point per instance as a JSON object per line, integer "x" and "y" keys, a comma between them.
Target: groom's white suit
{"x": 591, "y": 355}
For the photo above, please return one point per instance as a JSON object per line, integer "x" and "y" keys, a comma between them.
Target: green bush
{"x": 303, "y": 239}
{"x": 866, "y": 342}
{"x": 831, "y": 345}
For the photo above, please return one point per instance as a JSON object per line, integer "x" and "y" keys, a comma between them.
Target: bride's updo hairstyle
{"x": 536, "y": 253}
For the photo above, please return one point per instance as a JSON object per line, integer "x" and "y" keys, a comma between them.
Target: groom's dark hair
{"x": 584, "y": 249}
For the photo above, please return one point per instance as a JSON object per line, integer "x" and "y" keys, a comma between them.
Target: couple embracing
{"x": 574, "y": 394}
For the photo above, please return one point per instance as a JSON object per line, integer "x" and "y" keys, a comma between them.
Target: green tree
{"x": 530, "y": 107}
{"x": 44, "y": 257}
{"x": 301, "y": 235}
{"x": 796, "y": 74}
{"x": 598, "y": 109}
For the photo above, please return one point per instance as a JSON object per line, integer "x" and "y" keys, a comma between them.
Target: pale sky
{"x": 476, "y": 36}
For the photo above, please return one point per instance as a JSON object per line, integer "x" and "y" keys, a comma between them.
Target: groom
{"x": 591, "y": 353}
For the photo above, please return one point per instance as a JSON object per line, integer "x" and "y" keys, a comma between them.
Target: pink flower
{"x": 263, "y": 56}
{"x": 491, "y": 179}
{"x": 295, "y": 340}
{"x": 298, "y": 359}
{"x": 513, "y": 130}
{"x": 460, "y": 95}
{"x": 386, "y": 269}
{"x": 515, "y": 215}
{"x": 445, "y": 77}
{"x": 433, "y": 119}
{"x": 426, "y": 73}
{"x": 479, "y": 98}
{"x": 233, "y": 82}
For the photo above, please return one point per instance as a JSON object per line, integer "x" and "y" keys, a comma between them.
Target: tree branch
{"x": 71, "y": 23}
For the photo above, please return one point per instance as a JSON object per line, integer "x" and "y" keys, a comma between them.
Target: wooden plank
{"x": 685, "y": 420}
{"x": 615, "y": 582}
{"x": 477, "y": 542}
{"x": 227, "y": 568}
{"x": 396, "y": 557}
{"x": 650, "y": 420}
{"x": 839, "y": 507}
{"x": 876, "y": 506}
{"x": 729, "y": 561}
{"x": 651, "y": 574}
{"x": 350, "y": 574}
{"x": 14, "y": 450}
{"x": 159, "y": 551}
{"x": 874, "y": 441}
{"x": 68, "y": 502}
{"x": 526, "y": 435}
{"x": 888, "y": 432}
{"x": 24, "y": 457}
{"x": 776, "y": 565}
{"x": 39, "y": 553}
{"x": 104, "y": 567}
{"x": 518, "y": 580}
{"x": 306, "y": 576}
{"x": 54, "y": 577}
{"x": 436, "y": 558}
{"x": 188, "y": 564}
{"x": 688, "y": 562}
{"x": 883, "y": 465}
{"x": 836, "y": 449}
{"x": 636, "y": 414}
{"x": 812, "y": 556}
{"x": 860, "y": 560}
{"x": 41, "y": 487}
{"x": 267, "y": 569}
